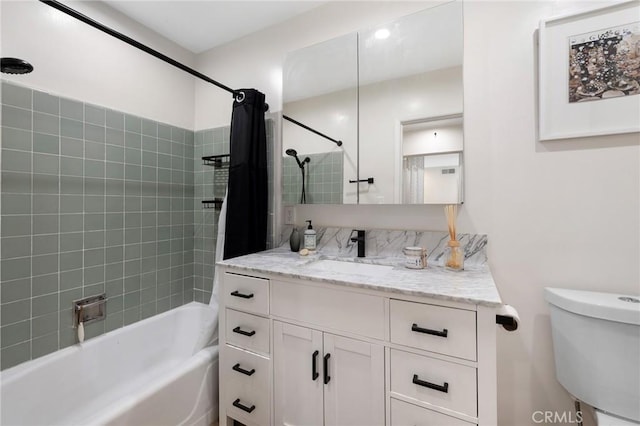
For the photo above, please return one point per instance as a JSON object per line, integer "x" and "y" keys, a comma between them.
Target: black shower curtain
{"x": 247, "y": 197}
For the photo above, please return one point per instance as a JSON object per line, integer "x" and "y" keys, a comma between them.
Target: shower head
{"x": 15, "y": 66}
{"x": 293, "y": 153}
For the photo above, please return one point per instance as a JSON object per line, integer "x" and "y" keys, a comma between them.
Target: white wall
{"x": 562, "y": 213}
{"x": 74, "y": 60}
{"x": 445, "y": 139}
{"x": 549, "y": 207}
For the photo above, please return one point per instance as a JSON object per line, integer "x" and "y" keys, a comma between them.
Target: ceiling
{"x": 201, "y": 25}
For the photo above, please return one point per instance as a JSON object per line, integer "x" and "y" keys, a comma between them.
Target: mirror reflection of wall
{"x": 368, "y": 89}
{"x": 432, "y": 161}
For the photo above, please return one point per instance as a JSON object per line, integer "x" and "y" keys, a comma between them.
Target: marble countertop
{"x": 473, "y": 285}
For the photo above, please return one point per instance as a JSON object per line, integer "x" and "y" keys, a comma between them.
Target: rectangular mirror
{"x": 320, "y": 92}
{"x": 383, "y": 92}
{"x": 411, "y": 104}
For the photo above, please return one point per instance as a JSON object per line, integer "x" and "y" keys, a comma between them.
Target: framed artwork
{"x": 589, "y": 73}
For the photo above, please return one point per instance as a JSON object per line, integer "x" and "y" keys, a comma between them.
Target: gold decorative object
{"x": 453, "y": 255}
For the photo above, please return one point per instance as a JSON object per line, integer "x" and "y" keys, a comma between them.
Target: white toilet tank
{"x": 596, "y": 343}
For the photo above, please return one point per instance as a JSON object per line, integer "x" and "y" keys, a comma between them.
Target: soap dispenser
{"x": 310, "y": 238}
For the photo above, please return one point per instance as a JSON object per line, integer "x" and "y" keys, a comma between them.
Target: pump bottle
{"x": 310, "y": 238}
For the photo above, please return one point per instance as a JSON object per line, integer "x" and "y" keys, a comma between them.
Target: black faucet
{"x": 360, "y": 239}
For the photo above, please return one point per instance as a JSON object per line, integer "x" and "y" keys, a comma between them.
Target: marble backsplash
{"x": 383, "y": 245}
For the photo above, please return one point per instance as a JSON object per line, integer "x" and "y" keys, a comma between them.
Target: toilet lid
{"x": 606, "y": 419}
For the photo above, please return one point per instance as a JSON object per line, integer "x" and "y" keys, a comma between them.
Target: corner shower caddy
{"x": 220, "y": 177}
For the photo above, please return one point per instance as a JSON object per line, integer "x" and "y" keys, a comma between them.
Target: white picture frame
{"x": 571, "y": 103}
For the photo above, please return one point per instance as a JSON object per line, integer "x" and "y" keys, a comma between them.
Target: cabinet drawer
{"x": 362, "y": 314}
{"x": 245, "y": 293}
{"x": 247, "y": 331}
{"x": 433, "y": 328}
{"x": 425, "y": 379}
{"x": 251, "y": 388}
{"x": 405, "y": 414}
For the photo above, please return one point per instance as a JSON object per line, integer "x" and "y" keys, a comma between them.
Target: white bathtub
{"x": 159, "y": 371}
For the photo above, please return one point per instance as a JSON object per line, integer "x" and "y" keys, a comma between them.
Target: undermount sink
{"x": 350, "y": 267}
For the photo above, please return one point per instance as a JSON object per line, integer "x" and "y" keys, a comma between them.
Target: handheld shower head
{"x": 293, "y": 153}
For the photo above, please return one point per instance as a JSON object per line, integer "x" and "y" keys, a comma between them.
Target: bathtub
{"x": 159, "y": 371}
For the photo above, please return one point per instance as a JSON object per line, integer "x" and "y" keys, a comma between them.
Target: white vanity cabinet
{"x": 319, "y": 353}
{"x": 325, "y": 379}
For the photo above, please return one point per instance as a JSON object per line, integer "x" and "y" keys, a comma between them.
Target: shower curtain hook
{"x": 239, "y": 96}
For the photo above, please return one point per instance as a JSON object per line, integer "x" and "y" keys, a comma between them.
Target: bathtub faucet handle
{"x": 88, "y": 309}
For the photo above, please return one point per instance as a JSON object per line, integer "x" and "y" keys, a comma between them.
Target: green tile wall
{"x": 323, "y": 178}
{"x": 92, "y": 200}
{"x": 209, "y": 182}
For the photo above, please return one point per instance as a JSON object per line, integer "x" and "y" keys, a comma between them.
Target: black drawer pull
{"x": 442, "y": 333}
{"x": 444, "y": 388}
{"x": 244, "y": 333}
{"x": 242, "y": 370}
{"x": 236, "y": 403}
{"x": 327, "y": 378}
{"x": 314, "y": 367}
{"x": 244, "y": 296}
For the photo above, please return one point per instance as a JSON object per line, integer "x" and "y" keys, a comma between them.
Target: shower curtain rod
{"x": 135, "y": 43}
{"x": 337, "y": 142}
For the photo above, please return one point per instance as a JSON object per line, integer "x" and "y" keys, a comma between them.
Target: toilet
{"x": 596, "y": 344}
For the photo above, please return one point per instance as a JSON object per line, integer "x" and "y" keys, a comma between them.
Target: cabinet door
{"x": 298, "y": 395}
{"x": 354, "y": 394}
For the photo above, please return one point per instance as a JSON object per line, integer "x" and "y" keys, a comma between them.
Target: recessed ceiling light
{"x": 382, "y": 33}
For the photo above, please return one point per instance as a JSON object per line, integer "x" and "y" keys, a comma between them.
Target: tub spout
{"x": 80, "y": 325}
{"x": 80, "y": 333}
